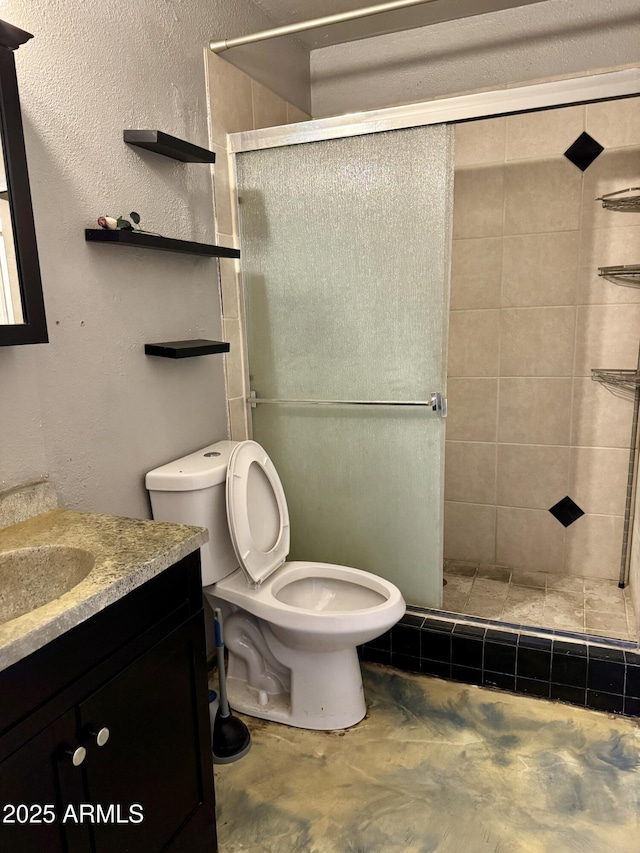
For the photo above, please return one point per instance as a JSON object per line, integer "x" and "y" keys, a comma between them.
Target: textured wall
{"x": 90, "y": 409}
{"x": 534, "y": 41}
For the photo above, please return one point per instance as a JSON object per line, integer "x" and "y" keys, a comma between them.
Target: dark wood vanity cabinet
{"x": 128, "y": 686}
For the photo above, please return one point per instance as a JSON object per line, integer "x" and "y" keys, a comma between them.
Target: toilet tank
{"x": 192, "y": 490}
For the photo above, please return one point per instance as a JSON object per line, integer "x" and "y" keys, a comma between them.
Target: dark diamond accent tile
{"x": 566, "y": 511}
{"x": 583, "y": 151}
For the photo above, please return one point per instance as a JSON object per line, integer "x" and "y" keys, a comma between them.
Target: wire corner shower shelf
{"x": 624, "y": 274}
{"x": 627, "y": 379}
{"x": 622, "y": 201}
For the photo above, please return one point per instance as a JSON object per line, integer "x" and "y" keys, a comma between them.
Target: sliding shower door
{"x": 345, "y": 258}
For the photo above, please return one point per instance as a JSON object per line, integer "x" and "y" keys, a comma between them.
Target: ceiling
{"x": 435, "y": 11}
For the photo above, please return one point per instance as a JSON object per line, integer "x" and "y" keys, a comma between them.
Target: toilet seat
{"x": 257, "y": 512}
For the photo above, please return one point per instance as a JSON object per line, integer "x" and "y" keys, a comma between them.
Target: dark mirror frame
{"x": 34, "y": 328}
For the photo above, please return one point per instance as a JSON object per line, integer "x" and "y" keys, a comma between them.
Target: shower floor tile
{"x": 436, "y": 766}
{"x": 540, "y": 599}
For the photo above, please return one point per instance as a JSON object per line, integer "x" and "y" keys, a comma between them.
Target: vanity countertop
{"x": 127, "y": 551}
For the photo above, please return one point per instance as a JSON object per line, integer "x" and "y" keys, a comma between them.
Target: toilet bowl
{"x": 291, "y": 628}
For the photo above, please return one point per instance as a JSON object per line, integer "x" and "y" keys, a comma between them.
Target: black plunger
{"x": 231, "y": 739}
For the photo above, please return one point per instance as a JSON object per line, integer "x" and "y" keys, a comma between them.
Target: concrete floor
{"x": 437, "y": 766}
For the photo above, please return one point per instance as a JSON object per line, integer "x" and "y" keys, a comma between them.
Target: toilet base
{"x": 309, "y": 690}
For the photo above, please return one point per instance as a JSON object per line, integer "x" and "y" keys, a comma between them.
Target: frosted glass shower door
{"x": 345, "y": 258}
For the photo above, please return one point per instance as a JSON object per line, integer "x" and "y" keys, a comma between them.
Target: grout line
{"x": 504, "y": 617}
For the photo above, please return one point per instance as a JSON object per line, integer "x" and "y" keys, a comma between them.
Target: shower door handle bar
{"x": 437, "y": 402}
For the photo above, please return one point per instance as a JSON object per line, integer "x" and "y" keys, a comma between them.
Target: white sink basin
{"x": 31, "y": 577}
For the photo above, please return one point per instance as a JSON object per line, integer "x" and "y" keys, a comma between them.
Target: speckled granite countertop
{"x": 127, "y": 551}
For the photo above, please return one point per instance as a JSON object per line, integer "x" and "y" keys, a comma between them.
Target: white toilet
{"x": 291, "y": 629}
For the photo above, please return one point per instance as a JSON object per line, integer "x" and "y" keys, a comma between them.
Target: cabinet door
{"x": 150, "y": 766}
{"x": 37, "y": 782}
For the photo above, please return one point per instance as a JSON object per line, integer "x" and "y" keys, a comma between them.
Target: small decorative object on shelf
{"x": 119, "y": 223}
{"x": 168, "y": 146}
{"x": 622, "y": 201}
{"x": 186, "y": 349}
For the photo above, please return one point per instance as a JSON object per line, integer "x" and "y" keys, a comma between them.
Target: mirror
{"x": 22, "y": 314}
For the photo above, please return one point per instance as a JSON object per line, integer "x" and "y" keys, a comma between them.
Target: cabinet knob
{"x": 78, "y": 755}
{"x": 101, "y": 736}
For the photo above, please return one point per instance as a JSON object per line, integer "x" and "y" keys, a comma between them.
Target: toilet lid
{"x": 257, "y": 511}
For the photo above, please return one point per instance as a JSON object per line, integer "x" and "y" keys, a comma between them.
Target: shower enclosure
{"x": 345, "y": 260}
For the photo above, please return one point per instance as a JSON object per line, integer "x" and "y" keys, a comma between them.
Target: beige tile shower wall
{"x": 236, "y": 102}
{"x": 529, "y": 319}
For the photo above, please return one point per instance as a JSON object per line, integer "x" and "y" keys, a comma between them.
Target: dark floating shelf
{"x": 186, "y": 349}
{"x": 151, "y": 241}
{"x": 168, "y": 146}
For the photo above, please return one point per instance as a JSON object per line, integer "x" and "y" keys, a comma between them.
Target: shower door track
{"x": 520, "y": 99}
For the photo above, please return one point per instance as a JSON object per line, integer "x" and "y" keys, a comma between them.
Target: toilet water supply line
{"x": 314, "y": 23}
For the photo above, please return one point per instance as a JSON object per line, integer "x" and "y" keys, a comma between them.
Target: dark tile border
{"x": 586, "y": 671}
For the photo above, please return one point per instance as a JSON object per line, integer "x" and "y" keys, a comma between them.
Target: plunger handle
{"x": 224, "y": 702}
